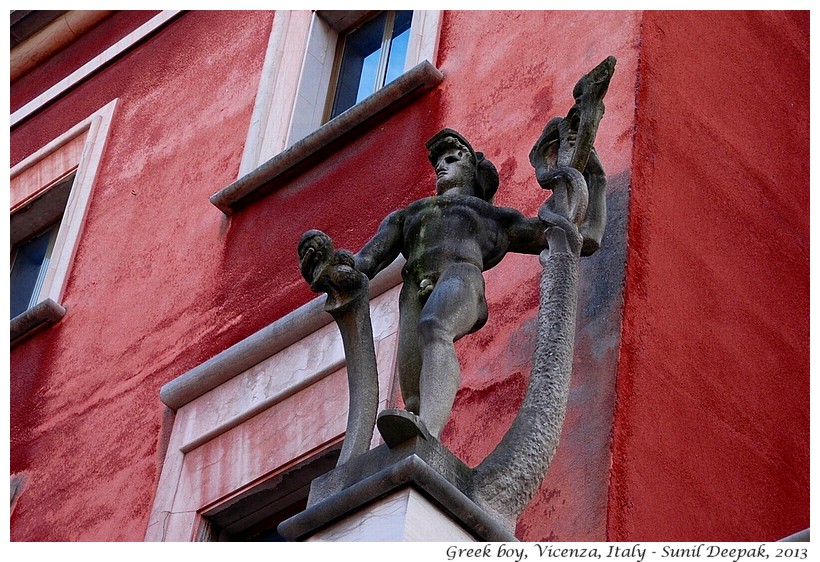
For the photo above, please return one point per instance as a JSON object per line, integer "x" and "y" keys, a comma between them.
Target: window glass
{"x": 398, "y": 45}
{"x": 30, "y": 261}
{"x": 373, "y": 55}
{"x": 359, "y": 65}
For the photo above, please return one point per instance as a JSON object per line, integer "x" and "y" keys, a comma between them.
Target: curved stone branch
{"x": 334, "y": 272}
{"x": 505, "y": 482}
{"x": 585, "y": 116}
{"x": 568, "y": 143}
{"x": 564, "y": 160}
{"x": 354, "y": 324}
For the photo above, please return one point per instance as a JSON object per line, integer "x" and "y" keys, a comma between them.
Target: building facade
{"x": 172, "y": 375}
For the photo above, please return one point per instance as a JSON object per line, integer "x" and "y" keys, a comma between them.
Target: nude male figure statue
{"x": 448, "y": 240}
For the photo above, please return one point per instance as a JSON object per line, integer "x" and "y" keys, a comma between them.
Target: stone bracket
{"x": 424, "y": 465}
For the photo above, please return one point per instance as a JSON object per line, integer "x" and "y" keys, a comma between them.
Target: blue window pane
{"x": 398, "y": 45}
{"x": 370, "y": 69}
{"x": 28, "y": 268}
{"x": 359, "y": 65}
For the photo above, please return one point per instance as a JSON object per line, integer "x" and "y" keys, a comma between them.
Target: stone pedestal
{"x": 416, "y": 490}
{"x": 403, "y": 516}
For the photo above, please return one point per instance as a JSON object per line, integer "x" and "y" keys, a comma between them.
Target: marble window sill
{"x": 38, "y": 316}
{"x": 264, "y": 179}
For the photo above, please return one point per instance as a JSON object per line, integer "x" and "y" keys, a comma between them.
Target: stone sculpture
{"x": 448, "y": 240}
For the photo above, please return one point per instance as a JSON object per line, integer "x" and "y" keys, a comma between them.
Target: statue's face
{"x": 454, "y": 169}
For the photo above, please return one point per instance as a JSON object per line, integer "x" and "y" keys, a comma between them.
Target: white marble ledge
{"x": 280, "y": 376}
{"x": 272, "y": 339}
{"x": 404, "y": 516}
{"x": 421, "y": 78}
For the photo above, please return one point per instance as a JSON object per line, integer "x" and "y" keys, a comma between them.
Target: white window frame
{"x": 48, "y": 213}
{"x": 296, "y": 77}
{"x": 80, "y": 148}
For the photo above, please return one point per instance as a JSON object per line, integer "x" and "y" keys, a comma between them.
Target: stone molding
{"x": 259, "y": 423}
{"x": 79, "y": 149}
{"x": 426, "y": 466}
{"x": 296, "y": 75}
{"x": 406, "y": 515}
{"x": 421, "y": 78}
{"x": 45, "y": 312}
{"x": 263, "y": 344}
{"x": 50, "y": 36}
{"x": 88, "y": 69}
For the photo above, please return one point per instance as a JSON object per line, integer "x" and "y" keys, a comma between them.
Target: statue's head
{"x": 460, "y": 167}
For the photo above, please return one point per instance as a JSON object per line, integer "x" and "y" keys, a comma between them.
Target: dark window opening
{"x": 33, "y": 231}
{"x": 254, "y": 515}
{"x": 29, "y": 264}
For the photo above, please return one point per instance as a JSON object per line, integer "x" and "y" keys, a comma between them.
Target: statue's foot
{"x": 397, "y": 426}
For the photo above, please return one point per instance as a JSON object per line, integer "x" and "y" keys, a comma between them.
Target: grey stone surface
{"x": 448, "y": 240}
{"x": 334, "y": 273}
{"x": 565, "y": 148}
{"x": 507, "y": 479}
{"x": 39, "y": 315}
{"x": 800, "y": 536}
{"x": 397, "y": 426}
{"x": 423, "y": 464}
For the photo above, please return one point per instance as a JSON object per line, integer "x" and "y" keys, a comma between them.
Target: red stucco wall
{"x": 163, "y": 281}
{"x": 712, "y": 421}
{"x": 74, "y": 55}
{"x": 143, "y": 292}
{"x": 500, "y": 102}
{"x": 500, "y": 93}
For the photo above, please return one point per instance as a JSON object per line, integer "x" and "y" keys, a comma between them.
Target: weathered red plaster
{"x": 163, "y": 281}
{"x": 501, "y": 101}
{"x": 73, "y": 56}
{"x": 711, "y": 434}
{"x": 85, "y": 414}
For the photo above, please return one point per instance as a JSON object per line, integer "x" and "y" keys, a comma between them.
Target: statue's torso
{"x": 445, "y": 229}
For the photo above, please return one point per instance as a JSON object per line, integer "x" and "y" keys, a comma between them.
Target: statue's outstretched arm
{"x": 525, "y": 235}
{"x": 530, "y": 235}
{"x": 384, "y": 247}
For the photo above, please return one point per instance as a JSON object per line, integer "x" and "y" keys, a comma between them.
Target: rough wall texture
{"x": 163, "y": 281}
{"x": 711, "y": 435}
{"x": 86, "y": 421}
{"x": 103, "y": 35}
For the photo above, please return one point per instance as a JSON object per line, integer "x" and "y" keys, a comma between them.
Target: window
{"x": 33, "y": 234}
{"x": 289, "y": 121}
{"x": 49, "y": 196}
{"x": 242, "y": 451}
{"x": 292, "y": 101}
{"x": 370, "y": 57}
{"x": 254, "y": 515}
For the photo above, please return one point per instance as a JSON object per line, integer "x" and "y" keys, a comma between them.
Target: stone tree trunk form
{"x": 505, "y": 481}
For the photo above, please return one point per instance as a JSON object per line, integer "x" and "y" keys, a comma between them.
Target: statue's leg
{"x": 455, "y": 308}
{"x": 409, "y": 354}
